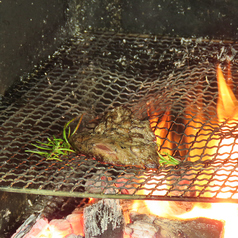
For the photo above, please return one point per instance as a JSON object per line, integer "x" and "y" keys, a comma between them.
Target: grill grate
{"x": 95, "y": 72}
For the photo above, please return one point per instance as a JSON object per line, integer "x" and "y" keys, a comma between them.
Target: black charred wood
{"x": 140, "y": 229}
{"x": 191, "y": 228}
{"x": 104, "y": 219}
{"x": 74, "y": 236}
{"x": 157, "y": 227}
{"x": 59, "y": 207}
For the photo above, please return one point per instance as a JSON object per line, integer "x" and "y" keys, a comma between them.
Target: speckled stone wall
{"x": 29, "y": 31}
{"x": 200, "y": 18}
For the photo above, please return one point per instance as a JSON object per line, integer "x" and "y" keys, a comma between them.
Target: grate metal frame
{"x": 93, "y": 73}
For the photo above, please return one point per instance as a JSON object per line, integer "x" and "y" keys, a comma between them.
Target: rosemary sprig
{"x": 168, "y": 160}
{"x": 57, "y": 147}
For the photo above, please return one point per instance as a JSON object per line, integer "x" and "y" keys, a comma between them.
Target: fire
{"x": 226, "y": 212}
{"x": 227, "y": 115}
{"x": 227, "y": 103}
{"x": 227, "y": 112}
{"x": 161, "y": 131}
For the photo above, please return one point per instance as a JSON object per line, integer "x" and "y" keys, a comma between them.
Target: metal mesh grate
{"x": 174, "y": 79}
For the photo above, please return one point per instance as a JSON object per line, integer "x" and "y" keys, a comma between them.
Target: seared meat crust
{"x": 119, "y": 139}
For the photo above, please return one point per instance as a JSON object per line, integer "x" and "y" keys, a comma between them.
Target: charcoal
{"x": 25, "y": 227}
{"x": 140, "y": 229}
{"x": 135, "y": 216}
{"x": 50, "y": 207}
{"x": 104, "y": 219}
{"x": 53, "y": 207}
{"x": 143, "y": 225}
{"x": 13, "y": 208}
{"x": 178, "y": 208}
{"x": 74, "y": 236}
{"x": 191, "y": 228}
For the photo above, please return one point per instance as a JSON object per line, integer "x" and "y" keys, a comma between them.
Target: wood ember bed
{"x": 115, "y": 219}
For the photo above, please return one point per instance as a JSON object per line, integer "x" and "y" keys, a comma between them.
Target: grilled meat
{"x": 119, "y": 139}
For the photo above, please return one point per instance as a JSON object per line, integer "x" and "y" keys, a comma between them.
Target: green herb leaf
{"x": 56, "y": 146}
{"x": 168, "y": 160}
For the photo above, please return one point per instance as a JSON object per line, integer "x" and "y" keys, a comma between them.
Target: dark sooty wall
{"x": 31, "y": 30}
{"x": 200, "y": 18}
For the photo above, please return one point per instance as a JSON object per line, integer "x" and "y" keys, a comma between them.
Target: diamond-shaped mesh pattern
{"x": 171, "y": 79}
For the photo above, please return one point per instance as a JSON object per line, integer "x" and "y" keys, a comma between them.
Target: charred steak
{"x": 119, "y": 139}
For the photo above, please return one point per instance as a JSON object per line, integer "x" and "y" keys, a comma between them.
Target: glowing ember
{"x": 57, "y": 228}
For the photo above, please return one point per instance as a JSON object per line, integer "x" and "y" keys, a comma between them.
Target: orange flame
{"x": 227, "y": 114}
{"x": 227, "y": 103}
{"x": 228, "y": 148}
{"x": 162, "y": 129}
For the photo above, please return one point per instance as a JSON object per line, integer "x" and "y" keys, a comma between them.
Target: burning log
{"x": 151, "y": 226}
{"x": 141, "y": 226}
{"x": 104, "y": 219}
{"x": 74, "y": 236}
{"x": 107, "y": 218}
{"x": 191, "y": 228}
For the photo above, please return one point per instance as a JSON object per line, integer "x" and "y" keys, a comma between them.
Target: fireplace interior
{"x": 63, "y": 59}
